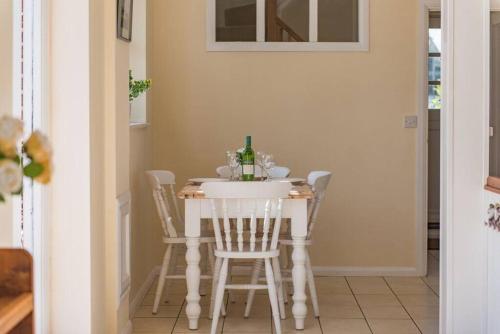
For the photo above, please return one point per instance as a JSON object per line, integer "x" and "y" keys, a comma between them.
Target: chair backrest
{"x": 319, "y": 181}
{"x": 246, "y": 201}
{"x": 163, "y": 185}
{"x": 277, "y": 171}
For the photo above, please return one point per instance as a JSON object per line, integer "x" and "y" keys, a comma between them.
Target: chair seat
{"x": 181, "y": 239}
{"x": 289, "y": 242}
{"x": 247, "y": 254}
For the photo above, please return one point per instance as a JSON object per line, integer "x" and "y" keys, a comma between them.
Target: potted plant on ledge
{"x": 136, "y": 88}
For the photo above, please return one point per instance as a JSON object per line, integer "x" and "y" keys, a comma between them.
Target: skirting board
{"x": 143, "y": 290}
{"x": 127, "y": 329}
{"x": 365, "y": 271}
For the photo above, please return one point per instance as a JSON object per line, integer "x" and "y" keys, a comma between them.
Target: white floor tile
{"x": 393, "y": 326}
{"x": 345, "y": 326}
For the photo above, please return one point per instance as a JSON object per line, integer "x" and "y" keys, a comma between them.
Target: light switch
{"x": 411, "y": 122}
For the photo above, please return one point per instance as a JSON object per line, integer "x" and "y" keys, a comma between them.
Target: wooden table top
{"x": 193, "y": 191}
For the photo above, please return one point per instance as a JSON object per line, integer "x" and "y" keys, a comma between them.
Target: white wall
{"x": 464, "y": 268}
{"x": 70, "y": 134}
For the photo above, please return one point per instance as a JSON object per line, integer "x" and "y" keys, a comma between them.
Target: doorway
{"x": 433, "y": 130}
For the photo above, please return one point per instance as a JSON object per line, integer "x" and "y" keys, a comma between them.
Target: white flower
{"x": 11, "y": 130}
{"x": 11, "y": 176}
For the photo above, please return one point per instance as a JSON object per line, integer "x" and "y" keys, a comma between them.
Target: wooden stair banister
{"x": 238, "y": 17}
{"x": 292, "y": 35}
{"x": 276, "y": 26}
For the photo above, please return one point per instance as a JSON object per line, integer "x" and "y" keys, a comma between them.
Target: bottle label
{"x": 248, "y": 170}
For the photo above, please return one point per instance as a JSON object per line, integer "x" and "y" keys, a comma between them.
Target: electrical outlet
{"x": 411, "y": 122}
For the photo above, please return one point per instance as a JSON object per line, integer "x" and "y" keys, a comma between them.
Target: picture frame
{"x": 124, "y": 19}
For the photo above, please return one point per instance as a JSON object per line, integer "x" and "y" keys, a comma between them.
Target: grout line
{"x": 178, "y": 316}
{"x": 227, "y": 313}
{"x": 434, "y": 292}
{"x": 357, "y": 302}
{"x": 320, "y": 325}
{"x": 404, "y": 307}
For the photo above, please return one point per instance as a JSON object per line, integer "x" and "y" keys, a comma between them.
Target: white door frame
{"x": 456, "y": 316}
{"x": 464, "y": 143}
{"x": 421, "y": 148}
{"x": 425, "y": 7}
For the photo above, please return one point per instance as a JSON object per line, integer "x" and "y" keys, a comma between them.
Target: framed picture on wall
{"x": 124, "y": 19}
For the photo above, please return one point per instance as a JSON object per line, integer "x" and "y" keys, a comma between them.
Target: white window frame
{"x": 311, "y": 45}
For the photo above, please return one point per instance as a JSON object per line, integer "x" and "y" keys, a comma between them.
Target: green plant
{"x": 136, "y": 87}
{"x": 436, "y": 101}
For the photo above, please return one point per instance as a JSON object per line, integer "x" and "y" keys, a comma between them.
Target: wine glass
{"x": 268, "y": 164}
{"x": 259, "y": 160}
{"x": 233, "y": 162}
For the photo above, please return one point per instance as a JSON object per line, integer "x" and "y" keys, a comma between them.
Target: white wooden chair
{"x": 246, "y": 202}
{"x": 319, "y": 181}
{"x": 275, "y": 172}
{"x": 162, "y": 183}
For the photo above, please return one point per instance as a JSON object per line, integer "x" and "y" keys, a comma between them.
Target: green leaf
{"x": 33, "y": 169}
{"x": 17, "y": 159}
{"x": 2, "y": 199}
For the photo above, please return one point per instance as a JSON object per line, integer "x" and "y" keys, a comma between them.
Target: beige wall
{"x": 6, "y": 104}
{"x": 335, "y": 111}
{"x": 89, "y": 131}
{"x": 147, "y": 247}
{"x": 110, "y": 161}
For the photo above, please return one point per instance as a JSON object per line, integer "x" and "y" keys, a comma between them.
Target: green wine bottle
{"x": 248, "y": 161}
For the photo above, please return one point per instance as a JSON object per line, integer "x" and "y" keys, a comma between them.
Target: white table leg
{"x": 193, "y": 272}
{"x": 299, "y": 232}
{"x": 299, "y": 309}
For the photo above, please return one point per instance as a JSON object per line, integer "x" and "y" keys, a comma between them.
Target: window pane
{"x": 236, "y": 20}
{"x": 338, "y": 21}
{"x": 434, "y": 96}
{"x": 434, "y": 40}
{"x": 287, "y": 20}
{"x": 434, "y": 68}
{"x": 494, "y": 95}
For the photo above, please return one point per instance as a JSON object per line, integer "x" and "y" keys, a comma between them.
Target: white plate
{"x": 289, "y": 179}
{"x": 206, "y": 179}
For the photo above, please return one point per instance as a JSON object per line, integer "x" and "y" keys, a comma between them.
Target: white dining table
{"x": 198, "y": 208}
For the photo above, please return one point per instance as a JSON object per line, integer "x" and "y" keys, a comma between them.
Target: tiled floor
{"x": 349, "y": 305}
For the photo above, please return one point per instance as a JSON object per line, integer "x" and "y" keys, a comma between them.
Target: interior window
{"x": 236, "y": 20}
{"x": 287, "y": 20}
{"x": 338, "y": 21}
{"x": 288, "y": 25}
